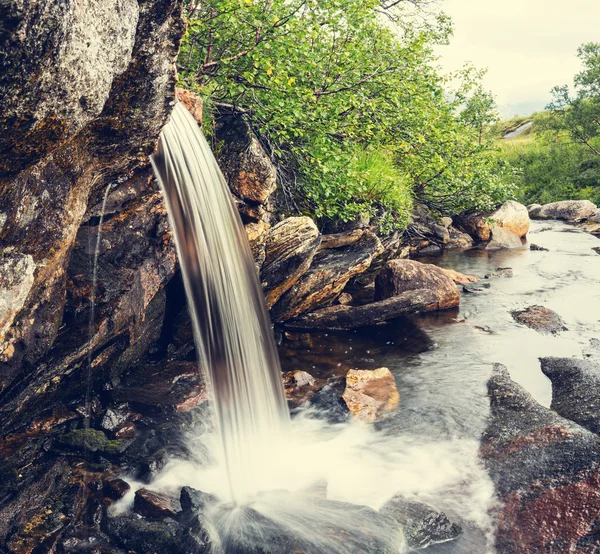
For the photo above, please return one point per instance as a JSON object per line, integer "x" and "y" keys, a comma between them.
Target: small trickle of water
{"x": 232, "y": 329}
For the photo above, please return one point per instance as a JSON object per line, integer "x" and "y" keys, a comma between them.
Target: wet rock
{"x": 502, "y": 272}
{"x": 592, "y": 352}
{"x": 596, "y": 249}
{"x": 300, "y": 386}
{"x": 542, "y": 465}
{"x": 143, "y": 536}
{"x": 247, "y": 167}
{"x": 502, "y": 238}
{"x": 85, "y": 103}
{"x": 155, "y": 505}
{"x": 428, "y": 225}
{"x": 538, "y": 248}
{"x": 126, "y": 430}
{"x": 458, "y": 240}
{"x": 327, "y": 276}
{"x": 289, "y": 250}
{"x": 193, "y": 501}
{"x": 338, "y": 240}
{"x": 541, "y": 319}
{"x": 460, "y": 278}
{"x": 192, "y": 102}
{"x": 568, "y": 210}
{"x": 511, "y": 216}
{"x": 575, "y": 390}
{"x": 371, "y": 395}
{"x": 115, "y": 416}
{"x": 423, "y": 525}
{"x": 342, "y": 317}
{"x": 174, "y": 386}
{"x": 399, "y": 276}
{"x": 116, "y": 487}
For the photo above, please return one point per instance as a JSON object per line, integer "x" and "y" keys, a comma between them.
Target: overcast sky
{"x": 528, "y": 46}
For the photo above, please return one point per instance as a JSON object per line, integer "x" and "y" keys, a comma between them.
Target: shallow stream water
{"x": 429, "y": 449}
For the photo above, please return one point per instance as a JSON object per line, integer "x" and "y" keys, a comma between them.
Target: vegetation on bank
{"x": 560, "y": 158}
{"x": 346, "y": 96}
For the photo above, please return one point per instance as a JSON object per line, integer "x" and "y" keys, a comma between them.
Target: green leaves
{"x": 351, "y": 106}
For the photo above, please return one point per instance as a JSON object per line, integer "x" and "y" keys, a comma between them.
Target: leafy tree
{"x": 578, "y": 116}
{"x": 349, "y": 102}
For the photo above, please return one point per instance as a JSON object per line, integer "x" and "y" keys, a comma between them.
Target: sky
{"x": 528, "y": 46}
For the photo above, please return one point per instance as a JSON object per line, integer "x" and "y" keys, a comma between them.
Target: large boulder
{"x": 503, "y": 238}
{"x": 85, "y": 93}
{"x": 511, "y": 216}
{"x": 289, "y": 250}
{"x": 568, "y": 210}
{"x": 247, "y": 167}
{"x": 371, "y": 395}
{"x": 546, "y": 474}
{"x": 541, "y": 319}
{"x": 329, "y": 272}
{"x": 400, "y": 276}
{"x": 575, "y": 390}
{"x": 352, "y": 317}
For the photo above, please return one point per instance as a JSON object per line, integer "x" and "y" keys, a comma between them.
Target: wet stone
{"x": 143, "y": 536}
{"x": 155, "y": 505}
{"x": 422, "y": 524}
{"x": 541, "y": 319}
{"x": 503, "y": 272}
{"x": 371, "y": 395}
{"x": 538, "y": 248}
{"x": 193, "y": 500}
{"x": 116, "y": 487}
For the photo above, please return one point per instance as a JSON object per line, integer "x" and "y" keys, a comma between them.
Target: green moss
{"x": 94, "y": 441}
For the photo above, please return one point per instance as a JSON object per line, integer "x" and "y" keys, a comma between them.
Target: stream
{"x": 442, "y": 362}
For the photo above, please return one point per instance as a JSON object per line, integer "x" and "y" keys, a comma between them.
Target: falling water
{"x": 232, "y": 329}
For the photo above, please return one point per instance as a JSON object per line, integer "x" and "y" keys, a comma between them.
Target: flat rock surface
{"x": 575, "y": 390}
{"x": 541, "y": 319}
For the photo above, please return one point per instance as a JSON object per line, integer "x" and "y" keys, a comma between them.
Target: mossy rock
{"x": 93, "y": 440}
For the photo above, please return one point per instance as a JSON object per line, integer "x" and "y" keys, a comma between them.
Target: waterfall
{"x": 232, "y": 329}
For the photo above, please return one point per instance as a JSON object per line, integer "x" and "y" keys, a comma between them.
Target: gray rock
{"x": 538, "y": 248}
{"x": 503, "y": 238}
{"x": 541, "y": 465}
{"x": 568, "y": 210}
{"x": 458, "y": 239}
{"x": 422, "y": 524}
{"x": 534, "y": 210}
{"x": 575, "y": 390}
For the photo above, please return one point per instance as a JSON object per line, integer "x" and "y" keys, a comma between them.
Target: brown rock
{"x": 330, "y": 271}
{"x": 257, "y": 233}
{"x": 289, "y": 250}
{"x": 371, "y": 395}
{"x": 511, "y": 216}
{"x": 247, "y": 167}
{"x": 344, "y": 299}
{"x": 352, "y": 317}
{"x": 116, "y": 487}
{"x": 300, "y": 386}
{"x": 155, "y": 505}
{"x": 460, "y": 278}
{"x": 458, "y": 239}
{"x": 541, "y": 319}
{"x": 126, "y": 430}
{"x": 192, "y": 102}
{"x": 338, "y": 240}
{"x": 399, "y": 276}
